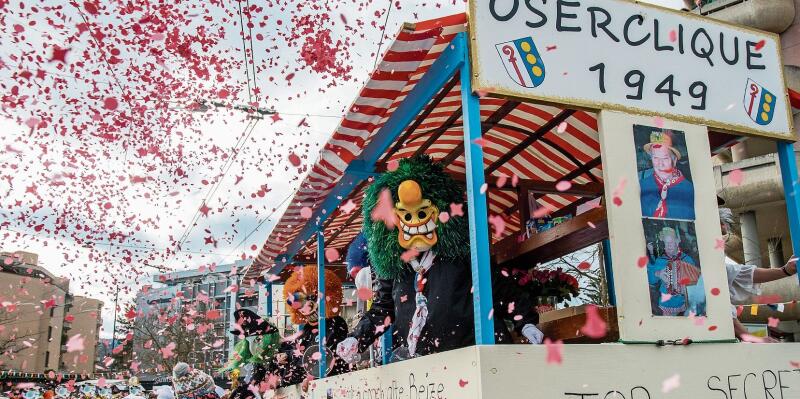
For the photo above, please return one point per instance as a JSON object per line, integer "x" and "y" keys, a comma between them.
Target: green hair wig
{"x": 437, "y": 186}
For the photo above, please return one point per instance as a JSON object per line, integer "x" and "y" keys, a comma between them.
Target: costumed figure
{"x": 670, "y": 274}
{"x": 300, "y": 292}
{"x": 665, "y": 191}
{"x": 248, "y": 364}
{"x": 135, "y": 389}
{"x": 428, "y": 298}
{"x": 192, "y": 383}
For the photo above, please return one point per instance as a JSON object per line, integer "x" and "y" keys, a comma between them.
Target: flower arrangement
{"x": 548, "y": 283}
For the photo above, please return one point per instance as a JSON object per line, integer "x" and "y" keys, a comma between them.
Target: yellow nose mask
{"x": 416, "y": 217}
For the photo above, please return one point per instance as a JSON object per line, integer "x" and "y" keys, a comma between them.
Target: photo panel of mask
{"x": 665, "y": 175}
{"x": 663, "y": 227}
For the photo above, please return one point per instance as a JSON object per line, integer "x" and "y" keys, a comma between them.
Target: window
{"x": 51, "y": 311}
{"x": 47, "y": 359}
{"x": 49, "y": 333}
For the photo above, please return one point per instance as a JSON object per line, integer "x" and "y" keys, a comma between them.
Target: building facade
{"x": 38, "y": 316}
{"x": 205, "y": 289}
{"x": 748, "y": 175}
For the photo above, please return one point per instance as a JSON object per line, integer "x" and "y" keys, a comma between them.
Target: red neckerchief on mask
{"x": 663, "y": 187}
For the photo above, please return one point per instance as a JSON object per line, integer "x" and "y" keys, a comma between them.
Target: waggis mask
{"x": 416, "y": 217}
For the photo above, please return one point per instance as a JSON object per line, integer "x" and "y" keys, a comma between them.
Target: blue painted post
{"x": 790, "y": 180}
{"x": 321, "y": 301}
{"x": 612, "y": 296}
{"x": 476, "y": 208}
{"x": 386, "y": 345}
{"x": 268, "y": 289}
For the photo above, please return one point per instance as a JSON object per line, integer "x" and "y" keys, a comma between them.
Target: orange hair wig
{"x": 304, "y": 280}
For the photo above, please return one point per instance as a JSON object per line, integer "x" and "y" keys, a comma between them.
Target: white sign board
{"x": 628, "y": 56}
{"x": 663, "y": 225}
{"x": 608, "y": 371}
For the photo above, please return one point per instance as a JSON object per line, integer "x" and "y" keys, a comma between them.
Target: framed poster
{"x": 663, "y": 226}
{"x": 634, "y": 57}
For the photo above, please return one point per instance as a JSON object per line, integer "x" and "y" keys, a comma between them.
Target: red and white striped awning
{"x": 569, "y": 152}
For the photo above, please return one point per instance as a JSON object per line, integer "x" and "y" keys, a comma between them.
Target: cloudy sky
{"x": 106, "y": 207}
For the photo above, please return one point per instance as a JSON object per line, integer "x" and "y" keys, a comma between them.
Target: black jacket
{"x": 335, "y": 332}
{"x": 450, "y": 323}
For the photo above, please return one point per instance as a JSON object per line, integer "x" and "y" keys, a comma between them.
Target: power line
{"x": 383, "y": 32}
{"x": 213, "y": 189}
{"x": 244, "y": 49}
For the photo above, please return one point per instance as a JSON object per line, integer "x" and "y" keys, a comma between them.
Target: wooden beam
{"x": 544, "y": 187}
{"x": 420, "y": 119}
{"x": 541, "y": 131}
{"x": 586, "y": 168}
{"x": 560, "y": 240}
{"x": 439, "y": 131}
{"x": 487, "y": 125}
{"x": 524, "y": 209}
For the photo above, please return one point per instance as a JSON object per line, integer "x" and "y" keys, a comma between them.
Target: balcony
{"x": 770, "y": 15}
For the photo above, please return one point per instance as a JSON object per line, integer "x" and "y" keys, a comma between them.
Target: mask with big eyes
{"x": 135, "y": 391}
{"x": 87, "y": 390}
{"x": 306, "y": 305}
{"x": 62, "y": 391}
{"x": 104, "y": 392}
{"x": 416, "y": 216}
{"x": 32, "y": 394}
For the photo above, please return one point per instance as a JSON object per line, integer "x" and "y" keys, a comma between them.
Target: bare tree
{"x": 13, "y": 341}
{"x": 593, "y": 287}
{"x": 178, "y": 333}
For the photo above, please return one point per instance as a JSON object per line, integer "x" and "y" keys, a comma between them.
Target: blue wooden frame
{"x": 323, "y": 361}
{"x": 788, "y": 164}
{"x": 477, "y": 209}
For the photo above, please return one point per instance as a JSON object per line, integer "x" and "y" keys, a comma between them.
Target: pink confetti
{"x": 456, "y": 210}
{"x": 562, "y": 127}
{"x": 484, "y": 187}
{"x": 715, "y": 291}
{"x": 166, "y": 352}
{"x": 364, "y": 294}
{"x": 295, "y": 160}
{"x": 481, "y": 142}
{"x": 305, "y": 212}
{"x": 392, "y": 165}
{"x": 331, "y": 254}
{"x": 670, "y": 384}
{"x": 554, "y": 351}
{"x": 719, "y": 244}
{"x": 642, "y": 262}
{"x": 584, "y": 266}
{"x": 218, "y": 343}
{"x": 514, "y": 180}
{"x": 110, "y": 103}
{"x": 462, "y": 383}
{"x": 444, "y": 217}
{"x": 542, "y": 211}
{"x": 595, "y": 326}
{"x": 408, "y": 255}
{"x": 563, "y": 186}
{"x": 501, "y": 181}
{"x": 658, "y": 121}
{"x": 499, "y": 225}
{"x": 673, "y": 36}
{"x": 665, "y": 297}
{"x": 761, "y": 43}
{"x": 75, "y": 343}
{"x": 384, "y": 210}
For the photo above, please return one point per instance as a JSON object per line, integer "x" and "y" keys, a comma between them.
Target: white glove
{"x": 532, "y": 334}
{"x": 348, "y": 350}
